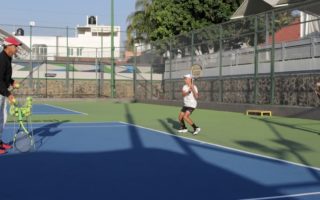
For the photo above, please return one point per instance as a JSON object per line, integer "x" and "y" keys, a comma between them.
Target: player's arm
{"x": 194, "y": 90}
{"x": 185, "y": 91}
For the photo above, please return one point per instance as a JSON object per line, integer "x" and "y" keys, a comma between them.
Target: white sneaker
{"x": 182, "y": 130}
{"x": 197, "y": 131}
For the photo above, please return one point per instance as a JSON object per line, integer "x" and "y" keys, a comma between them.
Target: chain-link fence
{"x": 270, "y": 58}
{"x": 71, "y": 62}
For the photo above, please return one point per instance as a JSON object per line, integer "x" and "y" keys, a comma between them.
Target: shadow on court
{"x": 43, "y": 133}
{"x": 295, "y": 126}
{"x": 174, "y": 123}
{"x": 131, "y": 174}
{"x": 138, "y": 172}
{"x": 289, "y": 147}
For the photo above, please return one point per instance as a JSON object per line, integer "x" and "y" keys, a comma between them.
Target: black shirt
{"x": 5, "y": 74}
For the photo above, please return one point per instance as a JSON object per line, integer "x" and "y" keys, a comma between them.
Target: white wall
{"x": 91, "y": 46}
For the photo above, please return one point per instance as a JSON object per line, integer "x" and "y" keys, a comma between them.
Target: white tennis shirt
{"x": 189, "y": 100}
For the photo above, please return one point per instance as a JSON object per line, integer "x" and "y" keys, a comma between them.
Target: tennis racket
{"x": 23, "y": 139}
{"x": 196, "y": 71}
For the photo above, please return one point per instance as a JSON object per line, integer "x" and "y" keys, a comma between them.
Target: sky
{"x": 63, "y": 13}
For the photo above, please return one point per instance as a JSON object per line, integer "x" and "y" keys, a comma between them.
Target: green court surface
{"x": 291, "y": 139}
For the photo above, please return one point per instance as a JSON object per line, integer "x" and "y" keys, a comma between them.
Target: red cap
{"x": 11, "y": 41}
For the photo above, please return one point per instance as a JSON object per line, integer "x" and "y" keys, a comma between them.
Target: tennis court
{"x": 140, "y": 156}
{"x": 46, "y": 109}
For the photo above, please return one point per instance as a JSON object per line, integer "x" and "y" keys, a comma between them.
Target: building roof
{"x": 253, "y": 7}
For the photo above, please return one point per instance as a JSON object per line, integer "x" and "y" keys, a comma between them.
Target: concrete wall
{"x": 290, "y": 89}
{"x": 74, "y": 88}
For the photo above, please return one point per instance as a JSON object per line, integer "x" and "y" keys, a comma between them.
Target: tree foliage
{"x": 158, "y": 19}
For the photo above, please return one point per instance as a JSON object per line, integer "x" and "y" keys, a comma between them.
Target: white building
{"x": 89, "y": 41}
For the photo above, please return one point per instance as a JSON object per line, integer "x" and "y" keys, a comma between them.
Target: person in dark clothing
{"x": 10, "y": 48}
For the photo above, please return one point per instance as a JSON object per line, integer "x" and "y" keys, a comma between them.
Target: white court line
{"x": 225, "y": 147}
{"x": 76, "y": 125}
{"x": 62, "y": 108}
{"x": 285, "y": 196}
{"x": 62, "y": 127}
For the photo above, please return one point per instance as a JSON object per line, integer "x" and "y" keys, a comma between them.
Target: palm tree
{"x": 138, "y": 24}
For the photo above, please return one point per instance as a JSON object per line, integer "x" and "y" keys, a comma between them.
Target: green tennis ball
{"x": 17, "y": 85}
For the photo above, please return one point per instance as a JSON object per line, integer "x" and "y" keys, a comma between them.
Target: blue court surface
{"x": 45, "y": 109}
{"x": 117, "y": 160}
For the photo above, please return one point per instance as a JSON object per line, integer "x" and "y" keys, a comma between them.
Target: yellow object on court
{"x": 259, "y": 112}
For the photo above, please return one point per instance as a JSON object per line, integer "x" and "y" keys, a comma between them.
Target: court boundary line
{"x": 62, "y": 108}
{"x": 229, "y": 148}
{"x": 76, "y": 124}
{"x": 284, "y": 196}
{"x": 70, "y": 122}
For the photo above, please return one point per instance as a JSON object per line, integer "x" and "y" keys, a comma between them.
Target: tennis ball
{"x": 17, "y": 85}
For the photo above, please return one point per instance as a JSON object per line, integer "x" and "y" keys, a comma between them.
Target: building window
{"x": 39, "y": 51}
{"x": 79, "y": 51}
{"x": 70, "y": 51}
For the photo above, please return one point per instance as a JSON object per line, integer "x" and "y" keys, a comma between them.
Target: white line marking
{"x": 76, "y": 125}
{"x": 62, "y": 108}
{"x": 284, "y": 196}
{"x": 225, "y": 147}
{"x": 62, "y": 127}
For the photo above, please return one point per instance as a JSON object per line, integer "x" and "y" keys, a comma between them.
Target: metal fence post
{"x": 192, "y": 47}
{"x": 135, "y": 73}
{"x": 272, "y": 59}
{"x": 113, "y": 81}
{"x": 170, "y": 70}
{"x": 67, "y": 64}
{"x": 151, "y": 88}
{"x": 220, "y": 65}
{"x": 283, "y": 49}
{"x": 31, "y": 64}
{"x": 313, "y": 47}
{"x": 256, "y": 53}
{"x": 96, "y": 71}
{"x": 73, "y": 88}
{"x": 46, "y": 77}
